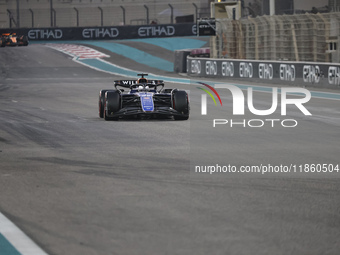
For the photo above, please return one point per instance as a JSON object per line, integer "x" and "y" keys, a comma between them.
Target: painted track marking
{"x": 16, "y": 241}
{"x": 78, "y": 51}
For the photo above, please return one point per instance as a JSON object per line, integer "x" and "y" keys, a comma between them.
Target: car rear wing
{"x": 128, "y": 83}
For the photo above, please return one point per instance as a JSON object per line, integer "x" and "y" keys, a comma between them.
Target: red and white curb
{"x": 22, "y": 243}
{"x": 78, "y": 51}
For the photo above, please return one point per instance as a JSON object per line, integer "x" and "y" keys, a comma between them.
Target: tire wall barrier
{"x": 105, "y": 33}
{"x": 180, "y": 65}
{"x": 308, "y": 74}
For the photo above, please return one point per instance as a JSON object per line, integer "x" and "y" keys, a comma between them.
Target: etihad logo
{"x": 156, "y": 31}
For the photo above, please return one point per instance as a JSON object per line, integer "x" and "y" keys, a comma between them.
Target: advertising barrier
{"x": 106, "y": 33}
{"x": 294, "y": 73}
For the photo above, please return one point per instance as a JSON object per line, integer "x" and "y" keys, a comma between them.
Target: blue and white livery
{"x": 145, "y": 99}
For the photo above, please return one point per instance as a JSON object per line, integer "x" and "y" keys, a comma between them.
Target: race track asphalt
{"x": 78, "y": 185}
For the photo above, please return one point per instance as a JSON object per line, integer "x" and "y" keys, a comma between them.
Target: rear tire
{"x": 2, "y": 42}
{"x": 181, "y": 104}
{"x": 25, "y": 40}
{"x": 112, "y": 104}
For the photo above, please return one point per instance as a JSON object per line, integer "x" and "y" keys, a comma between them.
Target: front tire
{"x": 181, "y": 104}
{"x": 112, "y": 104}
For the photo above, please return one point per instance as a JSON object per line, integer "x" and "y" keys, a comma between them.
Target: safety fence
{"x": 303, "y": 37}
{"x": 36, "y": 14}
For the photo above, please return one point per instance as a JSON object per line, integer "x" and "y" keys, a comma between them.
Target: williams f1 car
{"x": 12, "y": 39}
{"x": 144, "y": 98}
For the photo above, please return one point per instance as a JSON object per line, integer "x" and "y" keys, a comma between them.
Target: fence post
{"x": 147, "y": 13}
{"x": 240, "y": 40}
{"x": 314, "y": 39}
{"x": 32, "y": 16}
{"x": 220, "y": 39}
{"x": 327, "y": 34}
{"x": 10, "y": 15}
{"x": 101, "y": 16}
{"x": 172, "y": 14}
{"x": 271, "y": 35}
{"x": 195, "y": 10}
{"x": 51, "y": 12}
{"x": 271, "y": 7}
{"x": 123, "y": 9}
{"x": 18, "y": 14}
{"x": 10, "y": 18}
{"x": 77, "y": 12}
{"x": 256, "y": 29}
{"x": 296, "y": 51}
{"x": 55, "y": 17}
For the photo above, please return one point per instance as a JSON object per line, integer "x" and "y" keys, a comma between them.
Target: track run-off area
{"x": 72, "y": 183}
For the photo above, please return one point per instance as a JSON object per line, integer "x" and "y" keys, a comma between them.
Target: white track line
{"x": 18, "y": 239}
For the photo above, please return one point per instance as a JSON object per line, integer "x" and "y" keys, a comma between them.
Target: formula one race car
{"x": 145, "y": 99}
{"x": 11, "y": 39}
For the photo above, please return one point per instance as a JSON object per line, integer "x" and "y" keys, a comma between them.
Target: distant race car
{"x": 145, "y": 99}
{"x": 11, "y": 39}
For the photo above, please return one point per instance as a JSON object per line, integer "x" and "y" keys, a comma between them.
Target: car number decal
{"x": 147, "y": 102}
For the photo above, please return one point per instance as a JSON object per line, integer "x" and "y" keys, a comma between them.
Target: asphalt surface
{"x": 76, "y": 184}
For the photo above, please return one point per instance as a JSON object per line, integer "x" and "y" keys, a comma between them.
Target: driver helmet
{"x": 142, "y": 80}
